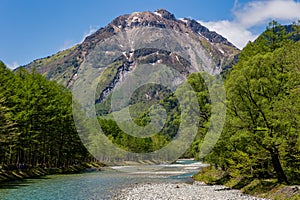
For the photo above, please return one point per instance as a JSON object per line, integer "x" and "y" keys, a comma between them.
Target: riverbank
{"x": 177, "y": 191}
{"x": 264, "y": 188}
{"x": 13, "y": 175}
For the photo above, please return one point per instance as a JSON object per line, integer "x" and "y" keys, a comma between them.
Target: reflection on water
{"x": 95, "y": 185}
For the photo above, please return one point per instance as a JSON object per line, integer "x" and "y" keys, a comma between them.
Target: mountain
{"x": 217, "y": 53}
{"x": 64, "y": 65}
{"x": 151, "y": 60}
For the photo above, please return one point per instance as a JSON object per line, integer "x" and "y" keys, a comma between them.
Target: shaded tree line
{"x": 36, "y": 123}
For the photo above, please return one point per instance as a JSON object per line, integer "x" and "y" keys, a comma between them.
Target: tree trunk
{"x": 281, "y": 177}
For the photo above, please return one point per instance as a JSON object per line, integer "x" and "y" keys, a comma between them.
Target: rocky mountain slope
{"x": 216, "y": 52}
{"x": 64, "y": 65}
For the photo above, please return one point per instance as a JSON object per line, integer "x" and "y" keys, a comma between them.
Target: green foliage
{"x": 131, "y": 143}
{"x": 60, "y": 67}
{"x": 210, "y": 175}
{"x": 200, "y": 88}
{"x": 261, "y": 136}
{"x": 143, "y": 102}
{"x": 36, "y": 122}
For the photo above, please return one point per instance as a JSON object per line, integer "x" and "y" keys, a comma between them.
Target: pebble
{"x": 181, "y": 191}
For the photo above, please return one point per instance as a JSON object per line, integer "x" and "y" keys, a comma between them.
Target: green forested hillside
{"x": 261, "y": 138}
{"x": 36, "y": 123}
{"x": 140, "y": 112}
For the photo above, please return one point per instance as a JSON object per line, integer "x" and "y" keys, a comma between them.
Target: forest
{"x": 261, "y": 138}
{"x": 36, "y": 123}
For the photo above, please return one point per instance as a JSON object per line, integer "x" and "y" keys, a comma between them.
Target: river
{"x": 95, "y": 185}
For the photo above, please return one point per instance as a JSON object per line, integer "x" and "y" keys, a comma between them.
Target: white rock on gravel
{"x": 181, "y": 191}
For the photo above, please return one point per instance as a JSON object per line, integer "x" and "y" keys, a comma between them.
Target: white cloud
{"x": 251, "y": 15}
{"x": 258, "y": 12}
{"x": 235, "y": 33}
{"x": 14, "y": 65}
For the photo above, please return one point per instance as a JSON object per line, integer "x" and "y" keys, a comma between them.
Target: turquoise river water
{"x": 94, "y": 185}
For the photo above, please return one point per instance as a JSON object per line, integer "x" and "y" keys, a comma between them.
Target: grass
{"x": 266, "y": 188}
{"x": 209, "y": 175}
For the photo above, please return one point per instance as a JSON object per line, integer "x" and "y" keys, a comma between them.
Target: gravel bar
{"x": 184, "y": 191}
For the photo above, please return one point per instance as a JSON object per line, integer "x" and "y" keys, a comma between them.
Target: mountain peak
{"x": 165, "y": 14}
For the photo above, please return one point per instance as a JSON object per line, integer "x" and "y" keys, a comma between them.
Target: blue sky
{"x": 33, "y": 29}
